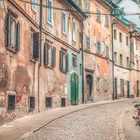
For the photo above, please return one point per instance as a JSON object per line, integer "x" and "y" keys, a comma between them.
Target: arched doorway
{"x": 89, "y": 80}
{"x": 74, "y": 88}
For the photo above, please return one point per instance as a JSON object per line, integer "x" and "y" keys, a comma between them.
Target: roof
{"x": 75, "y": 6}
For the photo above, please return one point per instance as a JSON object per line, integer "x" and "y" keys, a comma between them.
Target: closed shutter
{"x": 18, "y": 36}
{"x": 7, "y": 30}
{"x": 36, "y": 46}
{"x": 46, "y": 54}
{"x": 53, "y": 57}
{"x": 61, "y": 60}
{"x": 67, "y": 63}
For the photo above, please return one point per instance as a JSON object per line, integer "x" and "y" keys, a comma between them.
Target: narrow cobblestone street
{"x": 96, "y": 123}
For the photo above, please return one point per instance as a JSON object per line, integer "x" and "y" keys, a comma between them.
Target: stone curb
{"x": 121, "y": 127}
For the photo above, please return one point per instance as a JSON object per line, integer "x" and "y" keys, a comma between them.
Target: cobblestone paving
{"x": 97, "y": 123}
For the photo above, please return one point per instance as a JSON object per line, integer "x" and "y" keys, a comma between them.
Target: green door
{"x": 74, "y": 89}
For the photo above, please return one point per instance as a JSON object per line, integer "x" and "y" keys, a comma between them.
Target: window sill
{"x": 50, "y": 23}
{"x": 33, "y": 60}
{"x": 65, "y": 72}
{"x": 50, "y": 67}
{"x": 33, "y": 10}
{"x": 12, "y": 50}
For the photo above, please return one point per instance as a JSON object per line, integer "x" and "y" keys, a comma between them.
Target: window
{"x": 107, "y": 21}
{"x": 63, "y": 61}
{"x": 115, "y": 57}
{"x": 48, "y": 102}
{"x": 63, "y": 22}
{"x": 121, "y": 61}
{"x": 122, "y": 87}
{"x": 12, "y": 32}
{"x": 137, "y": 44}
{"x": 137, "y": 64}
{"x": 105, "y": 85}
{"x": 120, "y": 37}
{"x": 11, "y": 102}
{"x": 49, "y": 11}
{"x": 98, "y": 83}
{"x": 63, "y": 102}
{"x": 98, "y": 47}
{"x": 74, "y": 61}
{"x": 74, "y": 31}
{"x": 88, "y": 7}
{"x": 33, "y": 5}
{"x": 98, "y": 15}
{"x": 107, "y": 52}
{"x": 35, "y": 45}
{"x": 32, "y": 102}
{"x": 49, "y": 55}
{"x": 87, "y": 42}
{"x": 128, "y": 64}
{"x": 80, "y": 69}
{"x": 115, "y": 34}
{"x": 127, "y": 40}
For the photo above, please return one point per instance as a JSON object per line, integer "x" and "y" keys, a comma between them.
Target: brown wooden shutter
{"x": 45, "y": 54}
{"x": 36, "y": 46}
{"x": 53, "y": 57}
{"x": 61, "y": 60}
{"x": 7, "y": 30}
{"x": 18, "y": 37}
{"x": 67, "y": 63}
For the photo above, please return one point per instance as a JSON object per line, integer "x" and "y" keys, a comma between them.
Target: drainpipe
{"x": 82, "y": 46}
{"x": 40, "y": 51}
{"x": 113, "y": 93}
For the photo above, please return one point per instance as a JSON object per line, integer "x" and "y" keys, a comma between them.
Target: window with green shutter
{"x": 98, "y": 15}
{"x": 98, "y": 47}
{"x": 63, "y": 22}
{"x": 63, "y": 61}
{"x": 87, "y": 42}
{"x": 49, "y": 55}
{"x": 12, "y": 32}
{"x": 33, "y": 5}
{"x": 107, "y": 21}
{"x": 49, "y": 11}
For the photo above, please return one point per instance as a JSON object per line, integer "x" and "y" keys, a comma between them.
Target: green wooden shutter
{"x": 45, "y": 54}
{"x": 7, "y": 30}
{"x": 36, "y": 46}
{"x": 53, "y": 57}
{"x": 18, "y": 36}
{"x": 61, "y": 61}
{"x": 67, "y": 63}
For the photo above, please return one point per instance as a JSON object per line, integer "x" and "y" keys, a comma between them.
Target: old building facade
{"x": 34, "y": 79}
{"x": 97, "y": 53}
{"x": 56, "y": 55}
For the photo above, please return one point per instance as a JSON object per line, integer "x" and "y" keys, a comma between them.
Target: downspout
{"x": 82, "y": 49}
{"x": 113, "y": 94}
{"x": 39, "y": 50}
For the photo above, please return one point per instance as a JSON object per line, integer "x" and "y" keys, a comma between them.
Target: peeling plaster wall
{"x": 19, "y": 73}
{"x": 98, "y": 65}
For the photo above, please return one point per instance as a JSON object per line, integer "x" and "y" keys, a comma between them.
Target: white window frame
{"x": 65, "y": 22}
{"x": 74, "y": 34}
{"x": 33, "y": 6}
{"x": 51, "y": 12}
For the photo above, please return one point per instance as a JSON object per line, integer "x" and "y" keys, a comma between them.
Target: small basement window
{"x": 32, "y": 102}
{"x": 48, "y": 102}
{"x": 11, "y": 102}
{"x": 63, "y": 102}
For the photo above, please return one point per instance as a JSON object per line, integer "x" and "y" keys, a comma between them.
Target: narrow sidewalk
{"x": 25, "y": 126}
